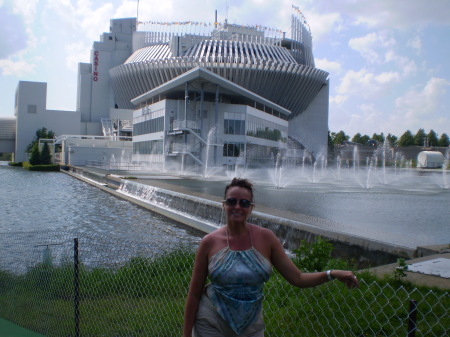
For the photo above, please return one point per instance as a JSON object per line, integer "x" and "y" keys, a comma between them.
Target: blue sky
{"x": 389, "y": 60}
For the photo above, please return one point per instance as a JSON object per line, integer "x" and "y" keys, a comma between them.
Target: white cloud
{"x": 338, "y": 99}
{"x": 407, "y": 65}
{"x": 129, "y": 8}
{"x": 76, "y": 52}
{"x": 426, "y": 102}
{"x": 366, "y": 84}
{"x": 82, "y": 17}
{"x": 372, "y": 45}
{"x": 387, "y": 78}
{"x": 387, "y": 13}
{"x": 26, "y": 8}
{"x": 324, "y": 24}
{"x": 424, "y": 108}
{"x": 333, "y": 67}
{"x": 416, "y": 43}
{"x": 16, "y": 68}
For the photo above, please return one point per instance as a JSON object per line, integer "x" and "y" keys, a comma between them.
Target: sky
{"x": 389, "y": 61}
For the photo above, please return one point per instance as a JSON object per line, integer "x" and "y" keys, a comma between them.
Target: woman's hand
{"x": 346, "y": 277}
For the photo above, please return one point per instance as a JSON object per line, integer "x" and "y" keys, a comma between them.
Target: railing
{"x": 59, "y": 139}
{"x": 185, "y": 124}
{"x": 70, "y": 284}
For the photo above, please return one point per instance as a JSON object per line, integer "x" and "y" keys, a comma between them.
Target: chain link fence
{"x": 77, "y": 284}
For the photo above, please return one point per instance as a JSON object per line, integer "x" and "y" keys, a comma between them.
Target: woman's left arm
{"x": 296, "y": 277}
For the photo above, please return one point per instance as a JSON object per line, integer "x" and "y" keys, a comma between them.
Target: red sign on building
{"x": 95, "y": 72}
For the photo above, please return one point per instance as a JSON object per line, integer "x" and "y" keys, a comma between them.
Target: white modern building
{"x": 191, "y": 95}
{"x": 96, "y": 113}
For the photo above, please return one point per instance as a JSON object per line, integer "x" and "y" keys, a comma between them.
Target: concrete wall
{"x": 311, "y": 126}
{"x": 86, "y": 150}
{"x": 99, "y": 156}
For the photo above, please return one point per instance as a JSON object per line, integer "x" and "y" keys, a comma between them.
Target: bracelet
{"x": 329, "y": 275}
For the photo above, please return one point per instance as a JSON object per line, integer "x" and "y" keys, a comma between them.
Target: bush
{"x": 316, "y": 256}
{"x": 19, "y": 164}
{"x": 47, "y": 168}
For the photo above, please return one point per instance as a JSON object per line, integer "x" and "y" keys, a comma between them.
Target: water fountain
{"x": 210, "y": 143}
{"x": 376, "y": 195}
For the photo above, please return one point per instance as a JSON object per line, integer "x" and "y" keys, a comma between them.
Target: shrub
{"x": 35, "y": 157}
{"x": 48, "y": 168}
{"x": 46, "y": 158}
{"x": 316, "y": 256}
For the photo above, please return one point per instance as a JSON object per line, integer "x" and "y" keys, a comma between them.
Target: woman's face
{"x": 237, "y": 213}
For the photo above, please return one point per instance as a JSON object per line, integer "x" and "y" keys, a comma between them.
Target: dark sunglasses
{"x": 244, "y": 203}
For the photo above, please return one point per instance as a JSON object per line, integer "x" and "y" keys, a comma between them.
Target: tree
{"x": 330, "y": 143}
{"x": 444, "y": 141}
{"x": 419, "y": 137}
{"x": 392, "y": 140}
{"x": 360, "y": 139}
{"x": 357, "y": 138}
{"x": 407, "y": 139}
{"x": 432, "y": 138}
{"x": 46, "y": 158}
{"x": 41, "y": 133}
{"x": 379, "y": 138}
{"x": 35, "y": 156}
{"x": 340, "y": 137}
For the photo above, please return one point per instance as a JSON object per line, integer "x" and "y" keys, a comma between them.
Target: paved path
{"x": 423, "y": 275}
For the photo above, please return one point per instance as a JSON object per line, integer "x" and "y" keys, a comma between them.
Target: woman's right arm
{"x": 198, "y": 280}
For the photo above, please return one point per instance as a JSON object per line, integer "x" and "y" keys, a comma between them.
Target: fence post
{"x": 412, "y": 327}
{"x": 76, "y": 287}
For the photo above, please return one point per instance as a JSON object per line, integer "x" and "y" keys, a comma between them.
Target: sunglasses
{"x": 244, "y": 203}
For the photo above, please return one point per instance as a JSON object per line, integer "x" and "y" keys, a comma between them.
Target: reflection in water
{"x": 55, "y": 201}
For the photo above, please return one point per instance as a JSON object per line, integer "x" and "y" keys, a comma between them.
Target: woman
{"x": 239, "y": 259}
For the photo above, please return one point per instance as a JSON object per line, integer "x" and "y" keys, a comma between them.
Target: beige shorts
{"x": 208, "y": 323}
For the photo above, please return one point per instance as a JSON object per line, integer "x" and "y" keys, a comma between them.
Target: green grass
{"x": 146, "y": 298}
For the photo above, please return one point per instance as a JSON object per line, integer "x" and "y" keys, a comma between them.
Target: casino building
{"x": 192, "y": 95}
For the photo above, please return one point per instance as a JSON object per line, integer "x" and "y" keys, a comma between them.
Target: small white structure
{"x": 430, "y": 159}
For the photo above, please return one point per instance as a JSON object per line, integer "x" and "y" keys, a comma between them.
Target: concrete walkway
{"x": 432, "y": 270}
{"x": 9, "y": 329}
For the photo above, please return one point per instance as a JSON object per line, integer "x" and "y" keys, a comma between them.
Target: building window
{"x": 260, "y": 128}
{"x": 32, "y": 108}
{"x": 234, "y": 124}
{"x": 149, "y": 126}
{"x": 148, "y": 147}
{"x": 233, "y": 149}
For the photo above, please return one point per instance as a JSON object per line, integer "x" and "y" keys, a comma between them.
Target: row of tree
{"x": 421, "y": 138}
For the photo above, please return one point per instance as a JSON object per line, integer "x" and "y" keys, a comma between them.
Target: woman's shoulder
{"x": 258, "y": 230}
{"x": 210, "y": 241}
{"x": 263, "y": 235}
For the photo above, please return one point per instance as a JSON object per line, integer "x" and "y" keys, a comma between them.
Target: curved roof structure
{"x": 280, "y": 70}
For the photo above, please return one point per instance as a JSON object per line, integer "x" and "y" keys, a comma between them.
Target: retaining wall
{"x": 204, "y": 215}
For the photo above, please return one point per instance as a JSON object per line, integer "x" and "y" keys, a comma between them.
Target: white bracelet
{"x": 329, "y": 275}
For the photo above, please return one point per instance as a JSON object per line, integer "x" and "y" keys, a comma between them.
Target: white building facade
{"x": 227, "y": 96}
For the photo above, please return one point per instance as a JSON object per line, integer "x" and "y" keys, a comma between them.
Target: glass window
{"x": 32, "y": 108}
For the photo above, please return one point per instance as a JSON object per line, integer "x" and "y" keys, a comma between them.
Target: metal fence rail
{"x": 72, "y": 284}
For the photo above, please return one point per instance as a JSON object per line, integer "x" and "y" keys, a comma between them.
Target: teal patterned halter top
{"x": 237, "y": 281}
